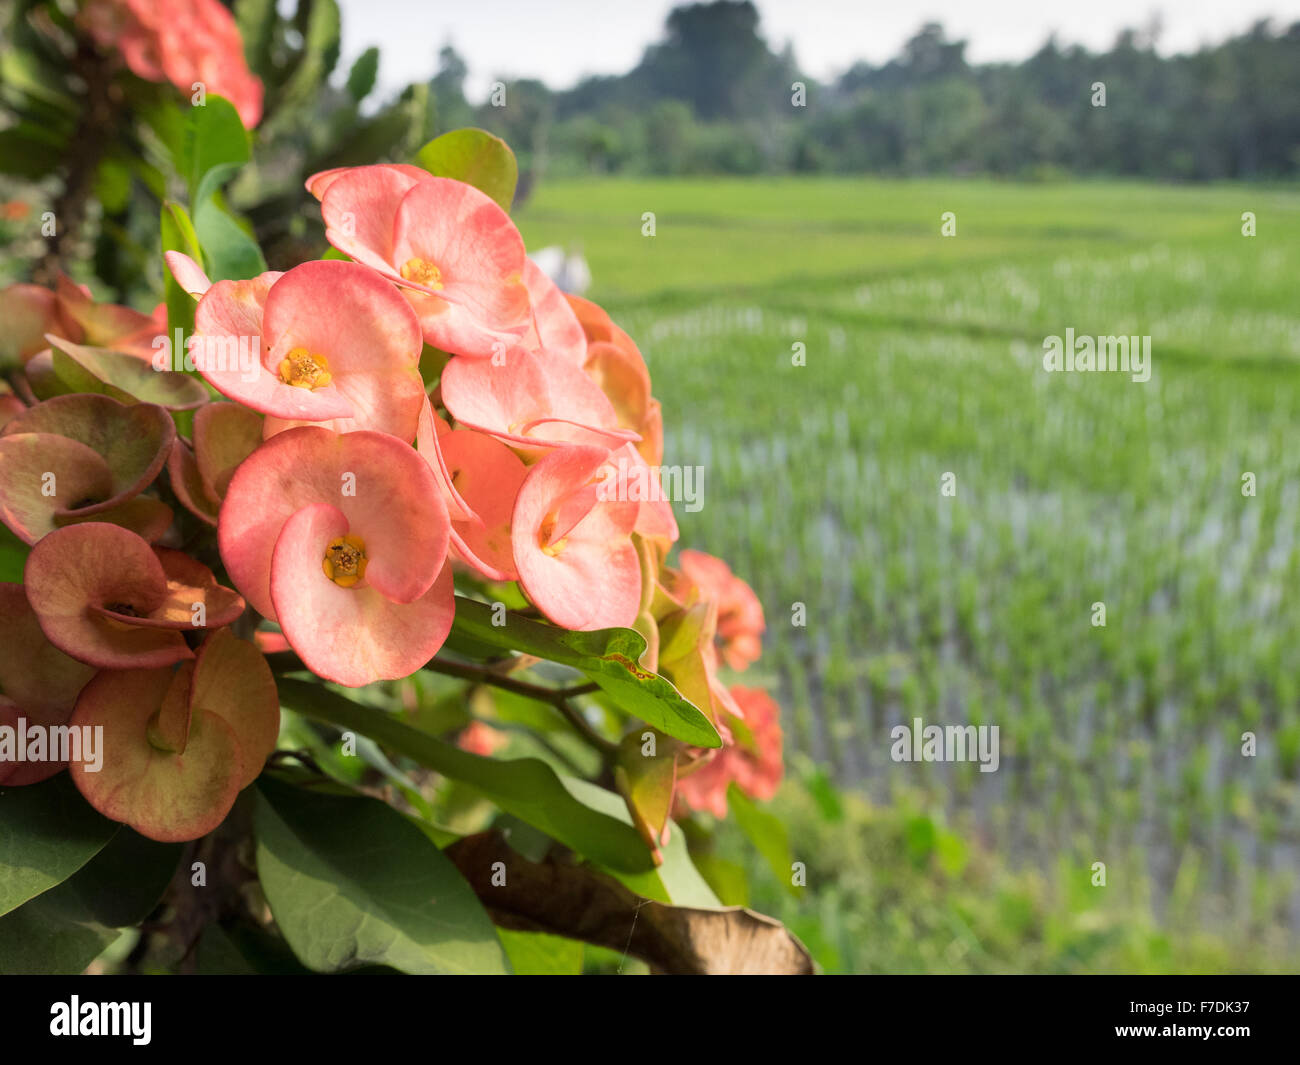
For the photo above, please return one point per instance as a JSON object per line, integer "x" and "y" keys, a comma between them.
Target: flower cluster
{"x": 185, "y": 42}
{"x": 427, "y": 407}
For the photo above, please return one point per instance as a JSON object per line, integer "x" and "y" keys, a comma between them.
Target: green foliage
{"x": 527, "y": 788}
{"x": 713, "y": 97}
{"x": 47, "y": 833}
{"x": 351, "y": 882}
{"x": 476, "y": 158}
{"x": 883, "y": 897}
{"x": 924, "y": 355}
{"x": 608, "y": 657}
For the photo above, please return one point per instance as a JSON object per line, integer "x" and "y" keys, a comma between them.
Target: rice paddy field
{"x": 922, "y": 356}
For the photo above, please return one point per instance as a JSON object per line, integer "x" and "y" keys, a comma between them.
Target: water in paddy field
{"x": 1120, "y": 743}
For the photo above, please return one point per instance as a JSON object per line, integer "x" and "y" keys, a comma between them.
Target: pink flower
{"x": 573, "y": 550}
{"x": 181, "y": 41}
{"x": 740, "y": 614}
{"x": 342, "y": 539}
{"x": 480, "y": 478}
{"x": 40, "y": 682}
{"x": 554, "y": 327}
{"x": 614, "y": 362}
{"x": 84, "y": 457}
{"x": 328, "y": 342}
{"x": 530, "y": 400}
{"x": 455, "y": 253}
{"x": 752, "y": 757}
{"x": 29, "y": 312}
{"x": 224, "y": 435}
{"x": 103, "y": 596}
{"x": 179, "y": 744}
{"x": 480, "y": 739}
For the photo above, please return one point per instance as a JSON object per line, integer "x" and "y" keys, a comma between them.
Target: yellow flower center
{"x": 302, "y": 369}
{"x": 345, "y": 560}
{"x": 544, "y": 536}
{"x": 422, "y": 272}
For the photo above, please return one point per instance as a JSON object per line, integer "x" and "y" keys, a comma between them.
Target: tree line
{"x": 713, "y": 97}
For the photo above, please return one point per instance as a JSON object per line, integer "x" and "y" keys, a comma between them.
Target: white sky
{"x": 559, "y": 41}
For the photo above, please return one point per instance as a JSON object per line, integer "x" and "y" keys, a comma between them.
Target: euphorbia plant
{"x": 365, "y": 551}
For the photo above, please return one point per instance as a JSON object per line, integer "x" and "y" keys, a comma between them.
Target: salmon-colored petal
{"x": 232, "y": 680}
{"x": 27, "y": 313}
{"x": 488, "y": 475}
{"x": 88, "y": 583}
{"x": 531, "y": 400}
{"x": 554, "y": 328}
{"x": 161, "y": 794}
{"x": 188, "y": 274}
{"x": 589, "y": 577}
{"x": 359, "y": 208}
{"x": 479, "y": 297}
{"x": 224, "y": 435}
{"x": 319, "y": 183}
{"x": 346, "y": 313}
{"x": 432, "y": 428}
{"x": 34, "y": 673}
{"x": 352, "y": 636}
{"x": 134, "y": 440}
{"x": 382, "y": 486}
{"x": 456, "y": 329}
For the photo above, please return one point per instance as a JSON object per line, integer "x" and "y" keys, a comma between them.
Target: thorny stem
{"x": 95, "y": 131}
{"x": 287, "y": 662}
{"x": 556, "y": 697}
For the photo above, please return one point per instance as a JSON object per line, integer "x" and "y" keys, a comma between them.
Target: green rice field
{"x": 922, "y": 355}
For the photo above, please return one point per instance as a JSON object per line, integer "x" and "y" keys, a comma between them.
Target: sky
{"x": 559, "y": 41}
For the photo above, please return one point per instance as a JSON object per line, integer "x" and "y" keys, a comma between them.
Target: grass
{"x": 923, "y": 357}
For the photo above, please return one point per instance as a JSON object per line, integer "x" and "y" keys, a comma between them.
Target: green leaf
{"x": 765, "y": 831}
{"x": 121, "y": 884}
{"x": 726, "y": 878}
{"x": 320, "y": 51}
{"x": 113, "y": 184}
{"x": 256, "y": 22}
{"x": 51, "y": 936}
{"x": 124, "y": 377}
{"x": 178, "y": 234}
{"x": 26, "y": 73}
{"x": 475, "y": 157}
{"x": 350, "y": 881}
{"x": 228, "y": 252}
{"x": 648, "y": 783}
{"x": 25, "y": 154}
{"x": 361, "y": 78}
{"x": 539, "y": 954}
{"x": 13, "y": 556}
{"x": 47, "y": 832}
{"x": 215, "y": 145}
{"x": 526, "y": 787}
{"x": 676, "y": 880}
{"x": 607, "y": 656}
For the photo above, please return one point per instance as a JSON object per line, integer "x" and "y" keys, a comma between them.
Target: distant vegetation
{"x": 713, "y": 97}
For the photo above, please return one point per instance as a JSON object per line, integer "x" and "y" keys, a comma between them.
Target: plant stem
{"x": 95, "y": 132}
{"x": 556, "y": 697}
